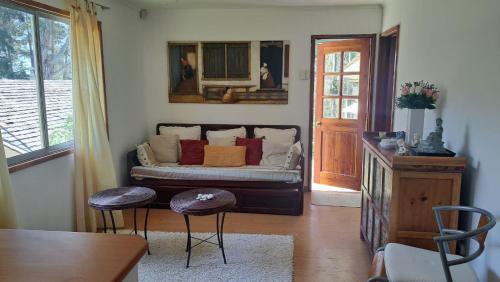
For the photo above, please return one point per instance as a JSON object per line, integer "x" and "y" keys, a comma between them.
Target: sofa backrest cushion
{"x": 248, "y": 127}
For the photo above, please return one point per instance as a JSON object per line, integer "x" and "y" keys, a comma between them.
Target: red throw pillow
{"x": 254, "y": 149}
{"x": 193, "y": 152}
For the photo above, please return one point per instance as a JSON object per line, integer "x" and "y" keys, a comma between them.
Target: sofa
{"x": 257, "y": 189}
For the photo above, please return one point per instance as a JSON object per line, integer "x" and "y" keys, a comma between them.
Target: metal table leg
{"x": 104, "y": 221}
{"x": 218, "y": 234}
{"x": 188, "y": 247}
{"x": 145, "y": 227}
{"x": 222, "y": 237}
{"x": 112, "y": 221}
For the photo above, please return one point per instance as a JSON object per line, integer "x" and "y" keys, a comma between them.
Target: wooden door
{"x": 342, "y": 83}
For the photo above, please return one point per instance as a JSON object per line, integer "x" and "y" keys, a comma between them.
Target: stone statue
{"x": 434, "y": 142}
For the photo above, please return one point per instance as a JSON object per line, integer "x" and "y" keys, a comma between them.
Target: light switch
{"x": 304, "y": 75}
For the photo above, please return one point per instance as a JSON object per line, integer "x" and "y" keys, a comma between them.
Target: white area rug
{"x": 336, "y": 199}
{"x": 249, "y": 258}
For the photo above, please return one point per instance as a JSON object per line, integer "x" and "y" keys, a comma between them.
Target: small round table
{"x": 120, "y": 199}
{"x": 186, "y": 204}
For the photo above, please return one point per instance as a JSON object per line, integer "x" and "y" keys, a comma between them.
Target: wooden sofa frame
{"x": 252, "y": 196}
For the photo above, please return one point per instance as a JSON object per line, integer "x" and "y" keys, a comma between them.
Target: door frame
{"x": 384, "y": 106}
{"x": 368, "y": 123}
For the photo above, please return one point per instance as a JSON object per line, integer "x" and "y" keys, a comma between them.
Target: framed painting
{"x": 229, "y": 72}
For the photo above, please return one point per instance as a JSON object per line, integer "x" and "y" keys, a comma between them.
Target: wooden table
{"x": 186, "y": 204}
{"x": 33, "y": 255}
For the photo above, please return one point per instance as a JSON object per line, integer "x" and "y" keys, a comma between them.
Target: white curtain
{"x": 94, "y": 169}
{"x": 7, "y": 214}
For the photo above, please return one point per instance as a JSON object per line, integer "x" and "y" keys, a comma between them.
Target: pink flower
{"x": 429, "y": 92}
{"x": 435, "y": 96}
{"x": 405, "y": 90}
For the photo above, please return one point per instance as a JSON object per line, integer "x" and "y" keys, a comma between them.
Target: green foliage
{"x": 417, "y": 95}
{"x": 62, "y": 134}
{"x": 415, "y": 101}
{"x": 17, "y": 46}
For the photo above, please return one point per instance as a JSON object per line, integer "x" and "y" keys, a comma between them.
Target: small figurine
{"x": 402, "y": 150}
{"x": 416, "y": 140}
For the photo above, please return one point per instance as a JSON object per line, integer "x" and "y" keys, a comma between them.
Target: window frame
{"x": 226, "y": 78}
{"x": 39, "y": 10}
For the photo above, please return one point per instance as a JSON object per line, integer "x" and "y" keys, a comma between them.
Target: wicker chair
{"x": 397, "y": 262}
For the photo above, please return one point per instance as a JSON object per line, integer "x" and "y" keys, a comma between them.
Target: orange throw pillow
{"x": 224, "y": 156}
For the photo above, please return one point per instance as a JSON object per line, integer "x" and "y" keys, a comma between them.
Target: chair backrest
{"x": 478, "y": 234}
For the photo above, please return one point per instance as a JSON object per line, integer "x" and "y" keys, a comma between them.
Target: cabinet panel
{"x": 417, "y": 196}
{"x": 387, "y": 194}
{"x": 366, "y": 167}
{"x": 369, "y": 225}
{"x": 376, "y": 232}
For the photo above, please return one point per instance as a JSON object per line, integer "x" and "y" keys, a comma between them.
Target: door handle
{"x": 318, "y": 123}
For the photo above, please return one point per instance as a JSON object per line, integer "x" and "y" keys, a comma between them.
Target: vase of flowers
{"x": 416, "y": 97}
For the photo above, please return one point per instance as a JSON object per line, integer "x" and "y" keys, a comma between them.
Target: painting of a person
{"x": 187, "y": 70}
{"x": 266, "y": 78}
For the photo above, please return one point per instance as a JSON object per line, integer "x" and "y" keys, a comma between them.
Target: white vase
{"x": 414, "y": 123}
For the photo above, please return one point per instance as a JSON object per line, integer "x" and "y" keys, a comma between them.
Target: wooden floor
{"x": 327, "y": 243}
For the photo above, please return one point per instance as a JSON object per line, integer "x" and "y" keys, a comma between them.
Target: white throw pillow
{"x": 285, "y": 136}
{"x": 191, "y": 133}
{"x": 274, "y": 154}
{"x": 236, "y": 132}
{"x": 184, "y": 133}
{"x": 165, "y": 148}
{"x": 145, "y": 155}
{"x": 293, "y": 156}
{"x": 222, "y": 141}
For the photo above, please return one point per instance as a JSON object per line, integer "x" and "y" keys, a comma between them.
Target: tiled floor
{"x": 327, "y": 243}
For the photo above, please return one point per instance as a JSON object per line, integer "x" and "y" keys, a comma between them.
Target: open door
{"x": 342, "y": 85}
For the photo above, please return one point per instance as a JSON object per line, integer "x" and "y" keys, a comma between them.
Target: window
{"x": 341, "y": 85}
{"x": 226, "y": 60}
{"x": 36, "y": 112}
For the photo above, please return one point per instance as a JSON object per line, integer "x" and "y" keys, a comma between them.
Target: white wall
{"x": 456, "y": 44}
{"x": 294, "y": 24}
{"x": 43, "y": 194}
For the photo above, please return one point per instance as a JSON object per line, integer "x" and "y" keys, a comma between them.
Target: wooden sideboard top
{"x": 34, "y": 255}
{"x": 419, "y": 163}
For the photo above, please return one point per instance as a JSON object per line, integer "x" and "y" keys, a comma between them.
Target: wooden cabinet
{"x": 398, "y": 193}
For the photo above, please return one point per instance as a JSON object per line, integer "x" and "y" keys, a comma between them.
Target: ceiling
{"x": 149, "y": 4}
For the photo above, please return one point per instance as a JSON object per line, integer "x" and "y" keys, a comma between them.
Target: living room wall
{"x": 43, "y": 194}
{"x": 230, "y": 24}
{"x": 456, "y": 44}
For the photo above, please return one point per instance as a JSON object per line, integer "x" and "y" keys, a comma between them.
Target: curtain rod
{"x": 102, "y": 6}
{"x": 97, "y": 4}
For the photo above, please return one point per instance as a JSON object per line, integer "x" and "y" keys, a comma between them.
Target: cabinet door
{"x": 376, "y": 232}
{"x": 378, "y": 184}
{"x": 384, "y": 234}
{"x": 364, "y": 213}
{"x": 387, "y": 194}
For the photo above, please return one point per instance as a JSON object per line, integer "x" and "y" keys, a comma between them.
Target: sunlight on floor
{"x": 322, "y": 187}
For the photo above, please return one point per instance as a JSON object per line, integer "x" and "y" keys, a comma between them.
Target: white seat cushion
{"x": 408, "y": 264}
